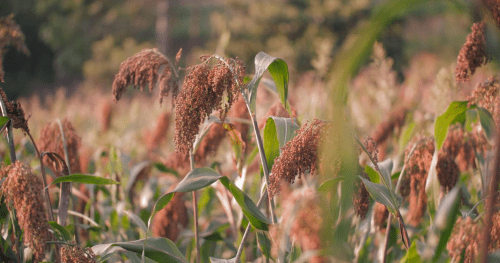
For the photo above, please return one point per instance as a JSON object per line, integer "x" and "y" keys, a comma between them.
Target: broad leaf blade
{"x": 329, "y": 184}
{"x": 381, "y": 194}
{"x": 277, "y": 132}
{"x": 61, "y": 230}
{"x": 264, "y": 243}
{"x": 84, "y": 179}
{"x": 197, "y": 179}
{"x": 279, "y": 71}
{"x": 444, "y": 121}
{"x": 158, "y": 248}
{"x": 251, "y": 211}
{"x": 386, "y": 171}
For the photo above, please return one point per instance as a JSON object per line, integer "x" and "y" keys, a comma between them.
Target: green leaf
{"x": 445, "y": 219}
{"x": 251, "y": 211}
{"x": 84, "y": 179}
{"x": 432, "y": 186}
{"x": 407, "y": 134}
{"x": 3, "y": 121}
{"x": 372, "y": 174}
{"x": 470, "y": 118}
{"x": 487, "y": 123}
{"x": 162, "y": 168}
{"x": 381, "y": 194}
{"x": 411, "y": 255}
{"x": 61, "y": 230}
{"x": 385, "y": 168}
{"x": 279, "y": 71}
{"x": 264, "y": 243}
{"x": 277, "y": 132}
{"x": 444, "y": 121}
{"x": 157, "y": 248}
{"x": 197, "y": 179}
{"x": 330, "y": 184}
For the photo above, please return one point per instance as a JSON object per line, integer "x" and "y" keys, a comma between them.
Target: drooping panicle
{"x": 10, "y": 35}
{"x": 473, "y": 53}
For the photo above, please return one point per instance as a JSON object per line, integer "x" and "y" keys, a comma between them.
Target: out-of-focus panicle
{"x": 303, "y": 207}
{"x": 447, "y": 170}
{"x": 494, "y": 7}
{"x": 239, "y": 110}
{"x": 146, "y": 67}
{"x": 10, "y": 35}
{"x": 15, "y": 112}
{"x": 473, "y": 53}
{"x": 361, "y": 197}
{"x": 460, "y": 145}
{"x": 276, "y": 110}
{"x": 380, "y": 215}
{"x": 172, "y": 219}
{"x": 210, "y": 143}
{"x": 76, "y": 254}
{"x": 105, "y": 112}
{"x": 159, "y": 134}
{"x": 203, "y": 90}
{"x": 24, "y": 190}
{"x": 395, "y": 120}
{"x": 298, "y": 156}
{"x": 51, "y": 141}
{"x": 485, "y": 95}
{"x": 416, "y": 175}
{"x": 179, "y": 162}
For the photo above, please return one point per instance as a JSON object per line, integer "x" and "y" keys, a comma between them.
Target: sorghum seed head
{"x": 10, "y": 35}
{"x": 386, "y": 128}
{"x": 15, "y": 112}
{"x": 172, "y": 219}
{"x": 202, "y": 93}
{"x": 51, "y": 141}
{"x": 76, "y": 254}
{"x": 299, "y": 155}
{"x": 380, "y": 215}
{"x": 447, "y": 170}
{"x": 473, "y": 53}
{"x": 494, "y": 7}
{"x": 159, "y": 134}
{"x": 361, "y": 197}
{"x": 146, "y": 67}
{"x": 24, "y": 190}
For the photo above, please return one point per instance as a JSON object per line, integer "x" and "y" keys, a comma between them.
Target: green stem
{"x": 195, "y": 211}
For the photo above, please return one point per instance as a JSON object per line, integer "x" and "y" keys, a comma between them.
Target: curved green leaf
{"x": 277, "y": 132}
{"x": 63, "y": 232}
{"x": 329, "y": 184}
{"x": 162, "y": 168}
{"x": 251, "y": 211}
{"x": 84, "y": 179}
{"x": 487, "y": 123}
{"x": 279, "y": 71}
{"x": 197, "y": 179}
{"x": 158, "y": 248}
{"x": 385, "y": 168}
{"x": 450, "y": 116}
{"x": 381, "y": 194}
{"x": 264, "y": 243}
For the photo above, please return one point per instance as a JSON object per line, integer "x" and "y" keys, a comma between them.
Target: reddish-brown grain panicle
{"x": 15, "y": 112}
{"x": 473, "y": 53}
{"x": 276, "y": 110}
{"x": 239, "y": 110}
{"x": 485, "y": 95}
{"x": 459, "y": 144}
{"x": 76, "y": 254}
{"x": 361, "y": 197}
{"x": 464, "y": 238}
{"x": 202, "y": 93}
{"x": 24, "y": 190}
{"x": 51, "y": 141}
{"x": 494, "y": 7}
{"x": 105, "y": 111}
{"x": 172, "y": 219}
{"x": 298, "y": 156}
{"x": 395, "y": 120}
{"x": 10, "y": 35}
{"x": 417, "y": 169}
{"x": 447, "y": 170}
{"x": 380, "y": 215}
{"x": 146, "y": 67}
{"x": 159, "y": 134}
{"x": 210, "y": 143}
{"x": 179, "y": 162}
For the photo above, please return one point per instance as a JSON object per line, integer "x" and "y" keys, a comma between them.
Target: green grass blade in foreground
{"x": 277, "y": 132}
{"x": 279, "y": 71}
{"x": 251, "y": 211}
{"x": 385, "y": 168}
{"x": 450, "y": 116}
{"x": 264, "y": 243}
{"x": 158, "y": 248}
{"x": 444, "y": 221}
{"x": 381, "y": 194}
{"x": 411, "y": 255}
{"x": 162, "y": 168}
{"x": 84, "y": 179}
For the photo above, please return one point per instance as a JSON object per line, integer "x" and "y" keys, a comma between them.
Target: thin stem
{"x": 195, "y": 210}
{"x": 386, "y": 239}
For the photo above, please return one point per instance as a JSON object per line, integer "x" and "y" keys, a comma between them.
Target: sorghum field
{"x": 254, "y": 131}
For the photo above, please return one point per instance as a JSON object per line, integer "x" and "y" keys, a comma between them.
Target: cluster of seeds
{"x": 10, "y": 35}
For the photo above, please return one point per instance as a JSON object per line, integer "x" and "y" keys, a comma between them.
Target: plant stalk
{"x": 489, "y": 206}
{"x": 195, "y": 211}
